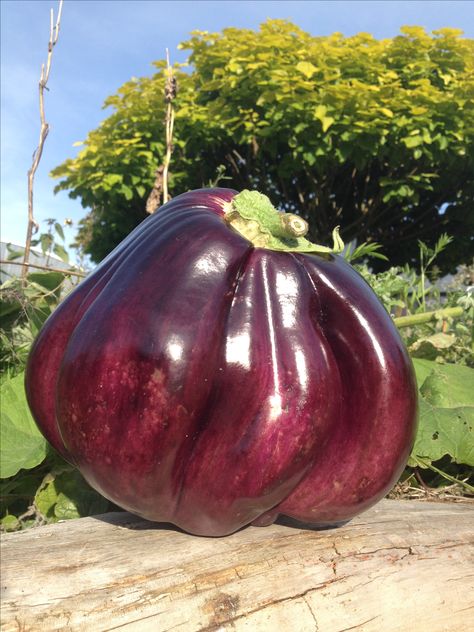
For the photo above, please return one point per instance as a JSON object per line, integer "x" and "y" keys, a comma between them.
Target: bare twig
{"x": 153, "y": 200}
{"x": 448, "y": 477}
{"x": 420, "y": 480}
{"x": 44, "y": 129}
{"x": 48, "y": 268}
{"x": 405, "y": 490}
{"x": 160, "y": 187}
{"x": 170, "y": 94}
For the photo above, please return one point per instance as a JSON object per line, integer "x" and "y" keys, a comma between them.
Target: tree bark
{"x": 401, "y": 566}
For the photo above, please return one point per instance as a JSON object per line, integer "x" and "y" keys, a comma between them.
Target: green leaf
{"x": 365, "y": 250}
{"x": 447, "y": 385}
{"x": 46, "y": 241}
{"x": 445, "y": 431}
{"x": 59, "y": 230}
{"x": 429, "y": 346}
{"x": 110, "y": 180}
{"x": 61, "y": 252}
{"x": 66, "y": 508}
{"x": 412, "y": 141}
{"x": 13, "y": 253}
{"x": 307, "y": 68}
{"x": 320, "y": 112}
{"x": 326, "y": 122}
{"x": 442, "y": 141}
{"x": 127, "y": 191}
{"x": 49, "y": 280}
{"x": 47, "y": 496}
{"x": 22, "y": 444}
{"x": 66, "y": 496}
{"x": 10, "y": 523}
{"x": 446, "y": 424}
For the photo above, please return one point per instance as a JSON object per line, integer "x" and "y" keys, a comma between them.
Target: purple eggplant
{"x": 214, "y": 371}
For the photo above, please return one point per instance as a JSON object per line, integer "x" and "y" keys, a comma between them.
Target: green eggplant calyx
{"x": 253, "y": 216}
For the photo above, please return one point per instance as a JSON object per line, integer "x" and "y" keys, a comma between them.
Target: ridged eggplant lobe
{"x": 196, "y": 379}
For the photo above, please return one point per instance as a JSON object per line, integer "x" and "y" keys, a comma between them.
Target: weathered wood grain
{"x": 403, "y": 566}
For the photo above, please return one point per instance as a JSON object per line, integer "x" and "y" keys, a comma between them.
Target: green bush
{"x": 374, "y": 135}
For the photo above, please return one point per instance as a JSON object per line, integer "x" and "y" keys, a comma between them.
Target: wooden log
{"x": 402, "y": 566}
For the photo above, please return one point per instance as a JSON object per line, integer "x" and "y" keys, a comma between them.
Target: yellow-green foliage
{"x": 371, "y": 134}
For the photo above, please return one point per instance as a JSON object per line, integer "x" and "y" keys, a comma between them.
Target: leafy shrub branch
{"x": 373, "y": 135}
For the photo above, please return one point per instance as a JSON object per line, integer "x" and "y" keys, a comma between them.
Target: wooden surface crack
{"x": 289, "y": 598}
{"x": 384, "y": 572}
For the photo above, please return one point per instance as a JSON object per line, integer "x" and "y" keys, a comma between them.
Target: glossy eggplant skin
{"x": 195, "y": 379}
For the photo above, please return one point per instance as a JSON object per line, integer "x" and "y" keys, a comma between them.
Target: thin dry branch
{"x": 153, "y": 200}
{"x": 160, "y": 187}
{"x": 170, "y": 94}
{"x": 409, "y": 489}
{"x": 44, "y": 129}
{"x": 48, "y": 268}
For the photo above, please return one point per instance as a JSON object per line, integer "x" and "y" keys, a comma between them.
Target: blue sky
{"x": 103, "y": 43}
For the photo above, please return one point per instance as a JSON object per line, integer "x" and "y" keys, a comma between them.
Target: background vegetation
{"x": 374, "y": 135}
